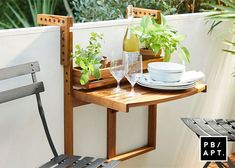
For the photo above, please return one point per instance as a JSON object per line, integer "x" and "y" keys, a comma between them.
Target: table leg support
{"x": 152, "y": 125}
{"x": 111, "y": 133}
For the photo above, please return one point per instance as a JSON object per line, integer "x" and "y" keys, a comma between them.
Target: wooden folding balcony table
{"x": 122, "y": 103}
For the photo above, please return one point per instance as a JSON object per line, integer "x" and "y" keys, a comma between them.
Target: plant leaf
{"x": 156, "y": 48}
{"x": 82, "y": 64}
{"x": 97, "y": 73}
{"x": 84, "y": 78}
{"x": 163, "y": 19}
{"x": 214, "y": 24}
{"x": 186, "y": 54}
{"x": 229, "y": 43}
{"x": 229, "y": 3}
{"x": 4, "y": 25}
{"x": 11, "y": 21}
{"x": 33, "y": 12}
{"x": 229, "y": 51}
{"x": 181, "y": 56}
{"x": 19, "y": 14}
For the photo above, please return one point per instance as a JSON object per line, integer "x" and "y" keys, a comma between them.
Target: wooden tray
{"x": 106, "y": 77}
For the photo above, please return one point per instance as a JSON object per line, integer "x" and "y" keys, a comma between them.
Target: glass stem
{"x": 132, "y": 89}
{"x": 118, "y": 85}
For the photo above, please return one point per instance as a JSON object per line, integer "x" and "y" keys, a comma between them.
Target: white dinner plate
{"x": 146, "y": 81}
{"x": 168, "y": 87}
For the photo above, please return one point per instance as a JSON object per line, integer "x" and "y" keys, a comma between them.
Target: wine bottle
{"x": 130, "y": 42}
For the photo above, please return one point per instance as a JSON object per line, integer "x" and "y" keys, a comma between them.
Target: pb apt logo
{"x": 213, "y": 148}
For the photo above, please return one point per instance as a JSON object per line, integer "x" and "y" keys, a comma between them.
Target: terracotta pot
{"x": 149, "y": 54}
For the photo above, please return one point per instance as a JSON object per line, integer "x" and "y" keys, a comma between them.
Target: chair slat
{"x": 68, "y": 162}
{"x": 54, "y": 161}
{"x": 219, "y": 129}
{"x": 20, "y": 92}
{"x": 226, "y": 126}
{"x": 232, "y": 122}
{"x": 83, "y": 162}
{"x": 96, "y": 163}
{"x": 19, "y": 70}
{"x": 205, "y": 127}
{"x": 112, "y": 163}
{"x": 191, "y": 124}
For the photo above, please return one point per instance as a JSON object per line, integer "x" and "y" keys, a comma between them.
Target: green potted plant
{"x": 155, "y": 37}
{"x": 89, "y": 59}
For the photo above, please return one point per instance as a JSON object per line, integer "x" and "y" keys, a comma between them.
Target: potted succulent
{"x": 89, "y": 59}
{"x": 155, "y": 37}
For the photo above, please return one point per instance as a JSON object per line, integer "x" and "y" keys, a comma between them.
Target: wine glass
{"x": 117, "y": 70}
{"x": 133, "y": 70}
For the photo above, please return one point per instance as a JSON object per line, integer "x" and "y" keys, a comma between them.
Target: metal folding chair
{"x": 58, "y": 161}
{"x": 213, "y": 127}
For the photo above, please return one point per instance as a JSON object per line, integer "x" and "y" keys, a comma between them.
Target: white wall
{"x": 21, "y": 135}
{"x": 22, "y": 141}
{"x": 177, "y": 146}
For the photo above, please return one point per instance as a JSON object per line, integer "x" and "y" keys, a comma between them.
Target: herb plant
{"x": 89, "y": 58}
{"x": 158, "y": 37}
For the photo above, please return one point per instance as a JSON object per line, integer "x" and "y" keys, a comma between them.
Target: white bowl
{"x": 166, "y": 67}
{"x": 165, "y": 76}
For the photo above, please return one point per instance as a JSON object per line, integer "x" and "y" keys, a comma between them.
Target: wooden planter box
{"x": 106, "y": 77}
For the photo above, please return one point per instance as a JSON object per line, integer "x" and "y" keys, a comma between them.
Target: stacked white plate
{"x": 169, "y": 76}
{"x": 166, "y": 71}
